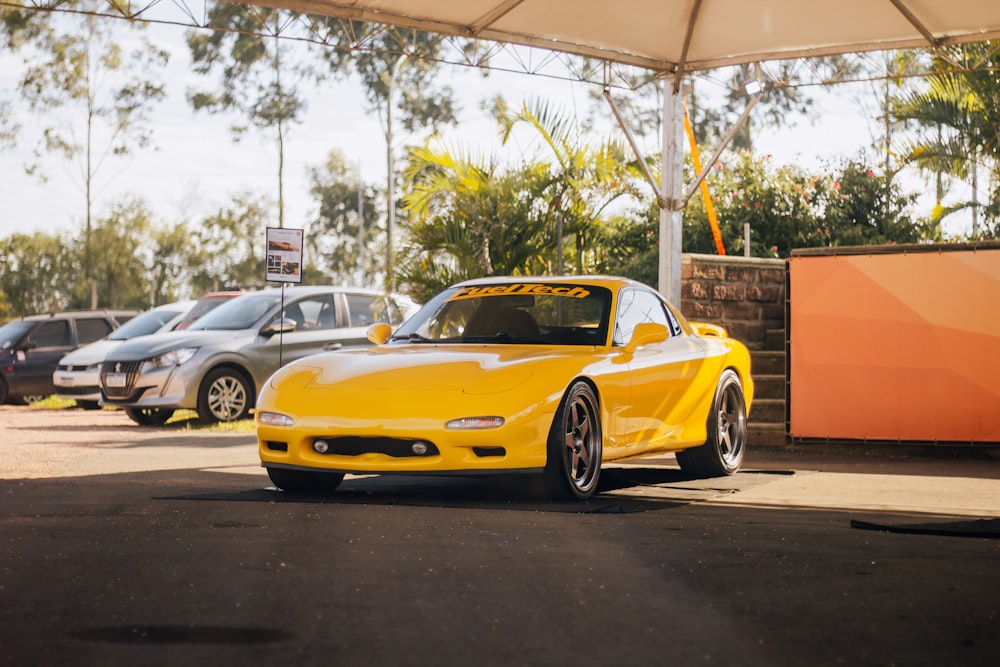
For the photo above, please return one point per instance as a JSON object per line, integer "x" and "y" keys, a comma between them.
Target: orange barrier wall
{"x": 896, "y": 347}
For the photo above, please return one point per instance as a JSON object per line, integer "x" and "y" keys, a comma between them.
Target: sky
{"x": 195, "y": 168}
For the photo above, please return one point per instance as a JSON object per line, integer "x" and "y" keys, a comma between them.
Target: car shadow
{"x": 622, "y": 490}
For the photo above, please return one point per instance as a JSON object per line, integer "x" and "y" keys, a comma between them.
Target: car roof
{"x": 610, "y": 282}
{"x": 71, "y": 314}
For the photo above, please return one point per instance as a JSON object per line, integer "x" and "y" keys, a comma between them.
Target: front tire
{"x": 722, "y": 453}
{"x": 305, "y": 481}
{"x": 224, "y": 396}
{"x": 575, "y": 446}
{"x": 149, "y": 416}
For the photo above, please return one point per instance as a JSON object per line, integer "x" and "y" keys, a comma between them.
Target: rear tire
{"x": 149, "y": 416}
{"x": 305, "y": 481}
{"x": 722, "y": 453}
{"x": 575, "y": 446}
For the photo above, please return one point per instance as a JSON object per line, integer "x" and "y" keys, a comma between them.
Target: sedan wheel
{"x": 575, "y": 446}
{"x": 149, "y": 416}
{"x": 224, "y": 396}
{"x": 305, "y": 481}
{"x": 722, "y": 453}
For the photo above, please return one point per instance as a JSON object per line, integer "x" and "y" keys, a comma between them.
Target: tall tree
{"x": 260, "y": 74}
{"x": 398, "y": 69}
{"x": 123, "y": 234}
{"x": 228, "y": 245}
{"x": 34, "y": 275}
{"x": 345, "y": 229}
{"x": 92, "y": 97}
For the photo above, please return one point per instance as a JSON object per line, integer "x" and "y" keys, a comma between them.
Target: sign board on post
{"x": 284, "y": 255}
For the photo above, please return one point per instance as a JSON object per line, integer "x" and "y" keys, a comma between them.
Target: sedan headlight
{"x": 174, "y": 357}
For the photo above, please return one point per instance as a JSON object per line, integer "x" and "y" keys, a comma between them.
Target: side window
{"x": 51, "y": 334}
{"x": 91, "y": 329}
{"x": 362, "y": 309}
{"x": 636, "y": 306}
{"x": 315, "y": 312}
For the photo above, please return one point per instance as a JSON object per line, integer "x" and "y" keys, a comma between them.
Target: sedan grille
{"x": 123, "y": 377}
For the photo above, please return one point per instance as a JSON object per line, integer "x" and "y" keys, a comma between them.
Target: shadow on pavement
{"x": 623, "y": 490}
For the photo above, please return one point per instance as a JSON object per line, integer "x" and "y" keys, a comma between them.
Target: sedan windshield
{"x": 533, "y": 313}
{"x": 237, "y": 314}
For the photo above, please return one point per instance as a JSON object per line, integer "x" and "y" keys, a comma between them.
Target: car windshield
{"x": 237, "y": 314}
{"x": 12, "y": 332}
{"x": 536, "y": 312}
{"x": 142, "y": 325}
{"x": 205, "y": 305}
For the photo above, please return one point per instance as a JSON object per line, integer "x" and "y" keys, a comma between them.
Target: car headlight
{"x": 474, "y": 423}
{"x": 275, "y": 419}
{"x": 174, "y": 357}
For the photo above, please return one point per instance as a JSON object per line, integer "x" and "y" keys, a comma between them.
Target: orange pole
{"x": 705, "y": 194}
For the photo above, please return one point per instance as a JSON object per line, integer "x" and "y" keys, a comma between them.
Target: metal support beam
{"x": 669, "y": 269}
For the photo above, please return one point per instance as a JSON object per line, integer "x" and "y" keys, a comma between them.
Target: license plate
{"x": 116, "y": 380}
{"x": 64, "y": 380}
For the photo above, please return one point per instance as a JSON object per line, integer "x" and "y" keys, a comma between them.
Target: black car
{"x": 31, "y": 347}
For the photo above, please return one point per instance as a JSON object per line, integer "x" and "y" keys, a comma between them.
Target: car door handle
{"x": 333, "y": 346}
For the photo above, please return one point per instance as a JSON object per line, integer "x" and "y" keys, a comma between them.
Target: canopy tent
{"x": 683, "y": 35}
{"x": 668, "y": 38}
{"x": 673, "y": 37}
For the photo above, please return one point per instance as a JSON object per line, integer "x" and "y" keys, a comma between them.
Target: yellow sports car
{"x": 540, "y": 375}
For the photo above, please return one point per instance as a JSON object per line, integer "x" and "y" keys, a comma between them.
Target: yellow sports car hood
{"x": 470, "y": 369}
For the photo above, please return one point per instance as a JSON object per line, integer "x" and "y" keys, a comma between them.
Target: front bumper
{"x": 385, "y": 449}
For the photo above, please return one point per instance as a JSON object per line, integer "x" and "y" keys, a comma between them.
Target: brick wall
{"x": 745, "y": 295}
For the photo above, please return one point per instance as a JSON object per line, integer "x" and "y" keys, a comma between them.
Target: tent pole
{"x": 669, "y": 274}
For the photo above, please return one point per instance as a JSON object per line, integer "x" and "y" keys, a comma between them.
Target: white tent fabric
{"x": 664, "y": 35}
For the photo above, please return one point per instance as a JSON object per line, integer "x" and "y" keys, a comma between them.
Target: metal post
{"x": 669, "y": 274}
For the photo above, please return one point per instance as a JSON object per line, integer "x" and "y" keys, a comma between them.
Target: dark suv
{"x": 31, "y": 347}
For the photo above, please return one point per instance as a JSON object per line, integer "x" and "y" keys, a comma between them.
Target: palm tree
{"x": 960, "y": 116}
{"x": 468, "y": 218}
{"x": 582, "y": 180}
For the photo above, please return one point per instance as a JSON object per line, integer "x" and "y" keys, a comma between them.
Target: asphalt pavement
{"x": 123, "y": 545}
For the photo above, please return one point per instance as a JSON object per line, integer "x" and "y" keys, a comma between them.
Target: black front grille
{"x": 131, "y": 371}
{"x": 356, "y": 445}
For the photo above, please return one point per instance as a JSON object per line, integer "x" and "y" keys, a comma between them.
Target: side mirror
{"x": 284, "y": 325}
{"x": 28, "y": 345}
{"x": 379, "y": 332}
{"x": 646, "y": 334}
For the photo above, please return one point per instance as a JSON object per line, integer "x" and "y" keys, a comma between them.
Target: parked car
{"x": 31, "y": 347}
{"x": 218, "y": 364}
{"x": 78, "y": 375}
{"x": 551, "y": 376}
{"x": 206, "y": 304}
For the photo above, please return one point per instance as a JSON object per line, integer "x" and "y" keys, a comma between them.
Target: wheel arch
{"x": 233, "y": 366}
